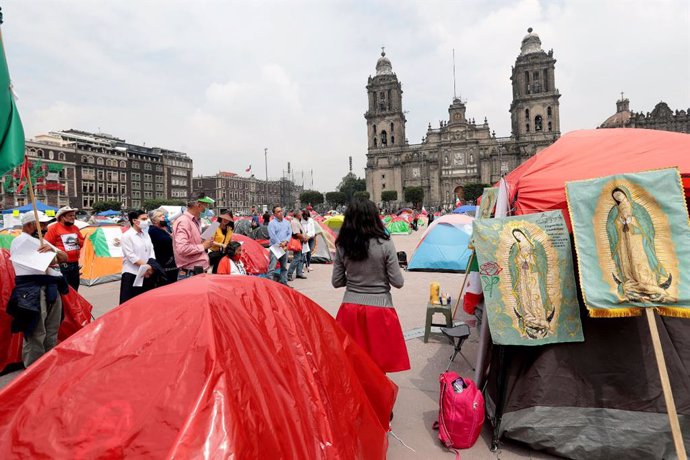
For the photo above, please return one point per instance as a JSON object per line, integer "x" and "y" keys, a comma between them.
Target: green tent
{"x": 398, "y": 227}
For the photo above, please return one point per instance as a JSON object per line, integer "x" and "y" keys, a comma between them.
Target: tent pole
{"x": 464, "y": 283}
{"x": 666, "y": 385}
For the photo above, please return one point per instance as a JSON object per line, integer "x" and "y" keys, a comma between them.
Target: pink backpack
{"x": 461, "y": 411}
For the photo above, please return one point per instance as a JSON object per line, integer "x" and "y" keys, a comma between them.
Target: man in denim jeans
{"x": 279, "y": 232}
{"x": 189, "y": 249}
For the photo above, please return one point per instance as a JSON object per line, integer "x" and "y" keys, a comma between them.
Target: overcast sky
{"x": 222, "y": 80}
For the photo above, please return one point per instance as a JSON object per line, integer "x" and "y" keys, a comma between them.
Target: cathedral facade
{"x": 460, "y": 150}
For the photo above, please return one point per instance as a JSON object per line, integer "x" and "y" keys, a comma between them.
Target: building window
{"x": 136, "y": 176}
{"x": 548, "y": 112}
{"x": 549, "y": 126}
{"x": 159, "y": 167}
{"x": 135, "y": 164}
{"x": 100, "y": 174}
{"x": 123, "y": 164}
{"x": 537, "y": 123}
{"x": 123, "y": 177}
{"x": 384, "y": 139}
{"x": 374, "y": 130}
{"x": 527, "y": 127}
{"x": 375, "y": 142}
{"x": 136, "y": 185}
{"x": 383, "y": 185}
{"x": 61, "y": 156}
{"x": 383, "y": 176}
{"x": 546, "y": 80}
{"x": 148, "y": 177}
{"x": 99, "y": 161}
{"x": 147, "y": 166}
{"x": 527, "y": 83}
{"x": 527, "y": 114}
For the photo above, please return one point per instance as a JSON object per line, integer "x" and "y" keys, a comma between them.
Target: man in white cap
{"x": 66, "y": 236}
{"x": 35, "y": 303}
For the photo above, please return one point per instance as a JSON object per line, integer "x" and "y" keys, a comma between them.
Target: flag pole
{"x": 464, "y": 283}
{"x": 33, "y": 204}
{"x": 666, "y": 385}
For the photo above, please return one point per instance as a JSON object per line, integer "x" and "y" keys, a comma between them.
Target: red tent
{"x": 77, "y": 314}
{"x": 255, "y": 257}
{"x": 208, "y": 367}
{"x": 539, "y": 184}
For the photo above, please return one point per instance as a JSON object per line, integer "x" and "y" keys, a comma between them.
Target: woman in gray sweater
{"x": 366, "y": 264}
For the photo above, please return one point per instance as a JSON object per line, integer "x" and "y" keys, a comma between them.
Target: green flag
{"x": 11, "y": 129}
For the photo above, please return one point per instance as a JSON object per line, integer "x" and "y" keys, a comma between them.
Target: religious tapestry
{"x": 632, "y": 236}
{"x": 488, "y": 203}
{"x": 526, "y": 272}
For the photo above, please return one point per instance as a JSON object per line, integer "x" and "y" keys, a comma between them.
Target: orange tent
{"x": 101, "y": 256}
{"x": 539, "y": 184}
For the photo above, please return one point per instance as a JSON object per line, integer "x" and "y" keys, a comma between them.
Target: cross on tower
{"x": 383, "y": 51}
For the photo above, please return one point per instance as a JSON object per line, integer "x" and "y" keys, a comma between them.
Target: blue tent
{"x": 464, "y": 209}
{"x": 109, "y": 213}
{"x": 41, "y": 206}
{"x": 444, "y": 245}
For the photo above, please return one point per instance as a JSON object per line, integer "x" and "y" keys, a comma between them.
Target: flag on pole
{"x": 248, "y": 169}
{"x": 23, "y": 176}
{"x": 473, "y": 289}
{"x": 11, "y": 129}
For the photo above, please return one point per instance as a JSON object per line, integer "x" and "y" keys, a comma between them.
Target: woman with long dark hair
{"x": 366, "y": 263}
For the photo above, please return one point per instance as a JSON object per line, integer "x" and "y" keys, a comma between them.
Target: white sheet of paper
{"x": 26, "y": 254}
{"x": 139, "y": 280}
{"x": 210, "y": 231}
{"x": 277, "y": 250}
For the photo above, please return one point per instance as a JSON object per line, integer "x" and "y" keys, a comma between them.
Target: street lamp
{"x": 266, "y": 165}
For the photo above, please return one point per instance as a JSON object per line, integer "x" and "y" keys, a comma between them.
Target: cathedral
{"x": 460, "y": 150}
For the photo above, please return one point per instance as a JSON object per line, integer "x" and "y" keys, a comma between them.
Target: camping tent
{"x": 41, "y": 206}
{"x": 109, "y": 213}
{"x": 398, "y": 226}
{"x": 600, "y": 398}
{"x": 101, "y": 256}
{"x": 255, "y": 257}
{"x": 465, "y": 209}
{"x": 444, "y": 245}
{"x": 324, "y": 248}
{"x": 213, "y": 367}
{"x": 334, "y": 222}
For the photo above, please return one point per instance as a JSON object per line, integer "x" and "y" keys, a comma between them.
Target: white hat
{"x": 28, "y": 217}
{"x": 63, "y": 210}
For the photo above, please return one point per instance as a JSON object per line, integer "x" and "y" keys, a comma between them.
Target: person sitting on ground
{"x": 221, "y": 239}
{"x": 231, "y": 264}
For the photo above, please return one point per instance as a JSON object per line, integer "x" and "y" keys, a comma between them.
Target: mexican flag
{"x": 11, "y": 129}
{"x": 473, "y": 288}
{"x": 106, "y": 242}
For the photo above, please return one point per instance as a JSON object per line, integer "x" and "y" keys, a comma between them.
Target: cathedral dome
{"x": 531, "y": 43}
{"x": 383, "y": 65}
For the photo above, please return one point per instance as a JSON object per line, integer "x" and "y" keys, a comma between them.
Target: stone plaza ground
{"x": 416, "y": 408}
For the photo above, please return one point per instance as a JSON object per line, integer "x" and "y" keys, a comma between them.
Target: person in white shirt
{"x": 137, "y": 249}
{"x": 310, "y": 229}
{"x": 35, "y": 303}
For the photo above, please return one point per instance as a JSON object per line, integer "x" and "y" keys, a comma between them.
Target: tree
{"x": 389, "y": 195}
{"x": 351, "y": 184}
{"x": 361, "y": 194}
{"x": 336, "y": 198}
{"x": 100, "y": 206}
{"x": 474, "y": 191}
{"x": 415, "y": 195}
{"x": 150, "y": 205}
{"x": 311, "y": 197}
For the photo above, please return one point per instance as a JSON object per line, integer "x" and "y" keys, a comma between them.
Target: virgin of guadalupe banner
{"x": 633, "y": 243}
{"x": 488, "y": 203}
{"x": 526, "y": 271}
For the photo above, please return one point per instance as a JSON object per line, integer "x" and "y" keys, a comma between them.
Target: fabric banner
{"x": 106, "y": 242}
{"x": 632, "y": 237}
{"x": 488, "y": 203}
{"x": 526, "y": 270}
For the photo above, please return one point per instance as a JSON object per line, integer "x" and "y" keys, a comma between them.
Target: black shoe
{"x": 290, "y": 277}
{"x": 302, "y": 277}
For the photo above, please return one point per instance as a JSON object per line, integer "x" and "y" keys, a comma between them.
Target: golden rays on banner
{"x": 527, "y": 277}
{"x": 631, "y": 235}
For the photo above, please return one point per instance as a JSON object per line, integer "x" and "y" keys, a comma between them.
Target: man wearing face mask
{"x": 65, "y": 236}
{"x": 137, "y": 249}
{"x": 189, "y": 249}
{"x": 163, "y": 246}
{"x": 35, "y": 303}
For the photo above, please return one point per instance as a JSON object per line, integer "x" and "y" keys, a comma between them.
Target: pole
{"x": 33, "y": 204}
{"x": 464, "y": 283}
{"x": 266, "y": 165}
{"x": 666, "y": 385}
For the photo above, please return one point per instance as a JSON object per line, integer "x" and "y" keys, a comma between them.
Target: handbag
{"x": 295, "y": 244}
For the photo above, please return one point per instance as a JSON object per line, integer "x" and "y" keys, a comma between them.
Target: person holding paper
{"x": 35, "y": 303}
{"x": 279, "y": 233}
{"x": 310, "y": 229}
{"x": 137, "y": 249}
{"x": 189, "y": 247}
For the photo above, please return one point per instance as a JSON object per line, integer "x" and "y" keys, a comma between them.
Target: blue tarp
{"x": 443, "y": 249}
{"x": 464, "y": 209}
{"x": 108, "y": 213}
{"x": 41, "y": 206}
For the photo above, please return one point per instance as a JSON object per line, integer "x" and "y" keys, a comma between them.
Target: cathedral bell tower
{"x": 534, "y": 111}
{"x": 385, "y": 117}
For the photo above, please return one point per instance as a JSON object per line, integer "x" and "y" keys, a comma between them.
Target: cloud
{"x": 223, "y": 80}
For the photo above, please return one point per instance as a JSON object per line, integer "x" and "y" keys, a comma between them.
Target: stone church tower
{"x": 385, "y": 118}
{"x": 534, "y": 111}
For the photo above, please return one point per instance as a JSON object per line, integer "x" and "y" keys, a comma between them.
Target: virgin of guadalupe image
{"x": 639, "y": 274}
{"x": 528, "y": 268}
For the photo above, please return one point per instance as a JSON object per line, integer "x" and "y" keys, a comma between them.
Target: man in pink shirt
{"x": 190, "y": 250}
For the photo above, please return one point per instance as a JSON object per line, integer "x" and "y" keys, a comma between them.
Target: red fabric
{"x": 539, "y": 184}
{"x": 224, "y": 266}
{"x": 55, "y": 235}
{"x": 377, "y": 330}
{"x": 77, "y": 314}
{"x": 208, "y": 367}
{"x": 470, "y": 302}
{"x": 255, "y": 257}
